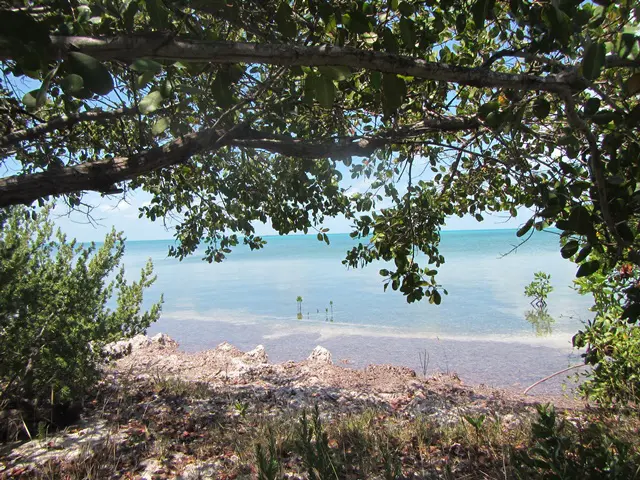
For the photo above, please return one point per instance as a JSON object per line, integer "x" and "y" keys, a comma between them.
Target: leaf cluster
{"x": 60, "y": 303}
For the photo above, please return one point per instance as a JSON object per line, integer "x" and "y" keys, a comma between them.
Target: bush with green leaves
{"x": 611, "y": 341}
{"x": 60, "y": 303}
{"x": 562, "y": 450}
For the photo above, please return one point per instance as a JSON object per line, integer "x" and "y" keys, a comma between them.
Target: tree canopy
{"x": 231, "y": 112}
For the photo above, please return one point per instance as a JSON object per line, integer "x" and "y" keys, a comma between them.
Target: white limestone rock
{"x": 320, "y": 355}
{"x": 164, "y": 340}
{"x": 257, "y": 355}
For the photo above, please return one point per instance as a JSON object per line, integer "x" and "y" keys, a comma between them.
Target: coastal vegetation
{"x": 539, "y": 289}
{"x": 60, "y": 303}
{"x": 232, "y": 113}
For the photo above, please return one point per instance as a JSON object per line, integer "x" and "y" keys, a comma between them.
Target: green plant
{"x": 240, "y": 408}
{"x": 539, "y": 289}
{"x": 476, "y": 422}
{"x": 563, "y": 451}
{"x": 267, "y": 463}
{"x": 299, "y": 301}
{"x": 612, "y": 343}
{"x": 58, "y": 308}
{"x": 390, "y": 457}
{"x": 312, "y": 444}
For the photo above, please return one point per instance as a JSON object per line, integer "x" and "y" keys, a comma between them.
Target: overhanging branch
{"x": 103, "y": 174}
{"x": 62, "y": 122}
{"x": 165, "y": 47}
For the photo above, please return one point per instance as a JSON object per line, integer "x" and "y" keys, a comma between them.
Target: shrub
{"x": 60, "y": 303}
{"x": 612, "y": 343}
{"x": 562, "y": 450}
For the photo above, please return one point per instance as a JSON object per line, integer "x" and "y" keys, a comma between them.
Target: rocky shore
{"x": 152, "y": 390}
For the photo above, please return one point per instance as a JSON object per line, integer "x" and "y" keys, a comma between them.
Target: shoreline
{"x": 496, "y": 364}
{"x": 159, "y": 410}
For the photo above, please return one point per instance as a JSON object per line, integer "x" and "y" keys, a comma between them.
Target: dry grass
{"x": 180, "y": 423}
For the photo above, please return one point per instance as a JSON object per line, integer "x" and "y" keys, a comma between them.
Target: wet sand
{"x": 503, "y": 364}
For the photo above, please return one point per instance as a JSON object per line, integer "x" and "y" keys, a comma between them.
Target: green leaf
{"x": 335, "y": 73}
{"x": 284, "y": 20}
{"x": 408, "y": 32}
{"x": 151, "y": 102}
{"x": 142, "y": 65}
{"x": 144, "y": 79}
{"x": 390, "y": 41}
{"x": 631, "y": 313}
{"x": 406, "y": 9}
{"x": 325, "y": 91}
{"x": 569, "y": 249}
{"x": 160, "y": 125}
{"x": 221, "y": 89}
{"x": 592, "y": 106}
{"x": 166, "y": 88}
{"x": 588, "y": 268}
{"x": 480, "y": 11}
{"x": 369, "y": 38}
{"x": 436, "y": 297}
{"x": 525, "y": 228}
{"x": 541, "y": 108}
{"x": 633, "y": 84}
{"x": 95, "y": 75}
{"x": 394, "y": 90}
{"x": 356, "y": 22}
{"x": 158, "y": 13}
{"x": 461, "y": 22}
{"x": 584, "y": 253}
{"x": 625, "y": 232}
{"x": 30, "y": 100}
{"x": 73, "y": 84}
{"x": 376, "y": 80}
{"x": 487, "y": 108}
{"x": 593, "y": 60}
{"x": 580, "y": 220}
{"x": 320, "y": 237}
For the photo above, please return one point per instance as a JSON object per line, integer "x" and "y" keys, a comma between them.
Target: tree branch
{"x": 164, "y": 47}
{"x": 61, "y": 122}
{"x": 101, "y": 175}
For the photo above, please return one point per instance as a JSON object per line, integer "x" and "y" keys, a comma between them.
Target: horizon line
{"x": 457, "y": 230}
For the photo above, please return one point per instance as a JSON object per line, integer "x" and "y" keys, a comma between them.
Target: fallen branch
{"x": 553, "y": 375}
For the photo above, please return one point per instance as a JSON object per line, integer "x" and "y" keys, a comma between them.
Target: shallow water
{"x": 480, "y": 330}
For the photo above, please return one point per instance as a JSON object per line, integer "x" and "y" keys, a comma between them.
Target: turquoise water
{"x": 250, "y": 298}
{"x": 485, "y": 298}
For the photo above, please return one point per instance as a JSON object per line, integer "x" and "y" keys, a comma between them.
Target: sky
{"x": 123, "y": 214}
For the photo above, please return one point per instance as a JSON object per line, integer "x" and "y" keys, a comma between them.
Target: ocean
{"x": 483, "y": 330}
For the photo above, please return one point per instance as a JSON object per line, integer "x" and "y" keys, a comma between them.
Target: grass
{"x": 180, "y": 423}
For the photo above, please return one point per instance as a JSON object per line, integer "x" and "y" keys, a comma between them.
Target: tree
{"x": 58, "y": 309}
{"x": 230, "y": 113}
